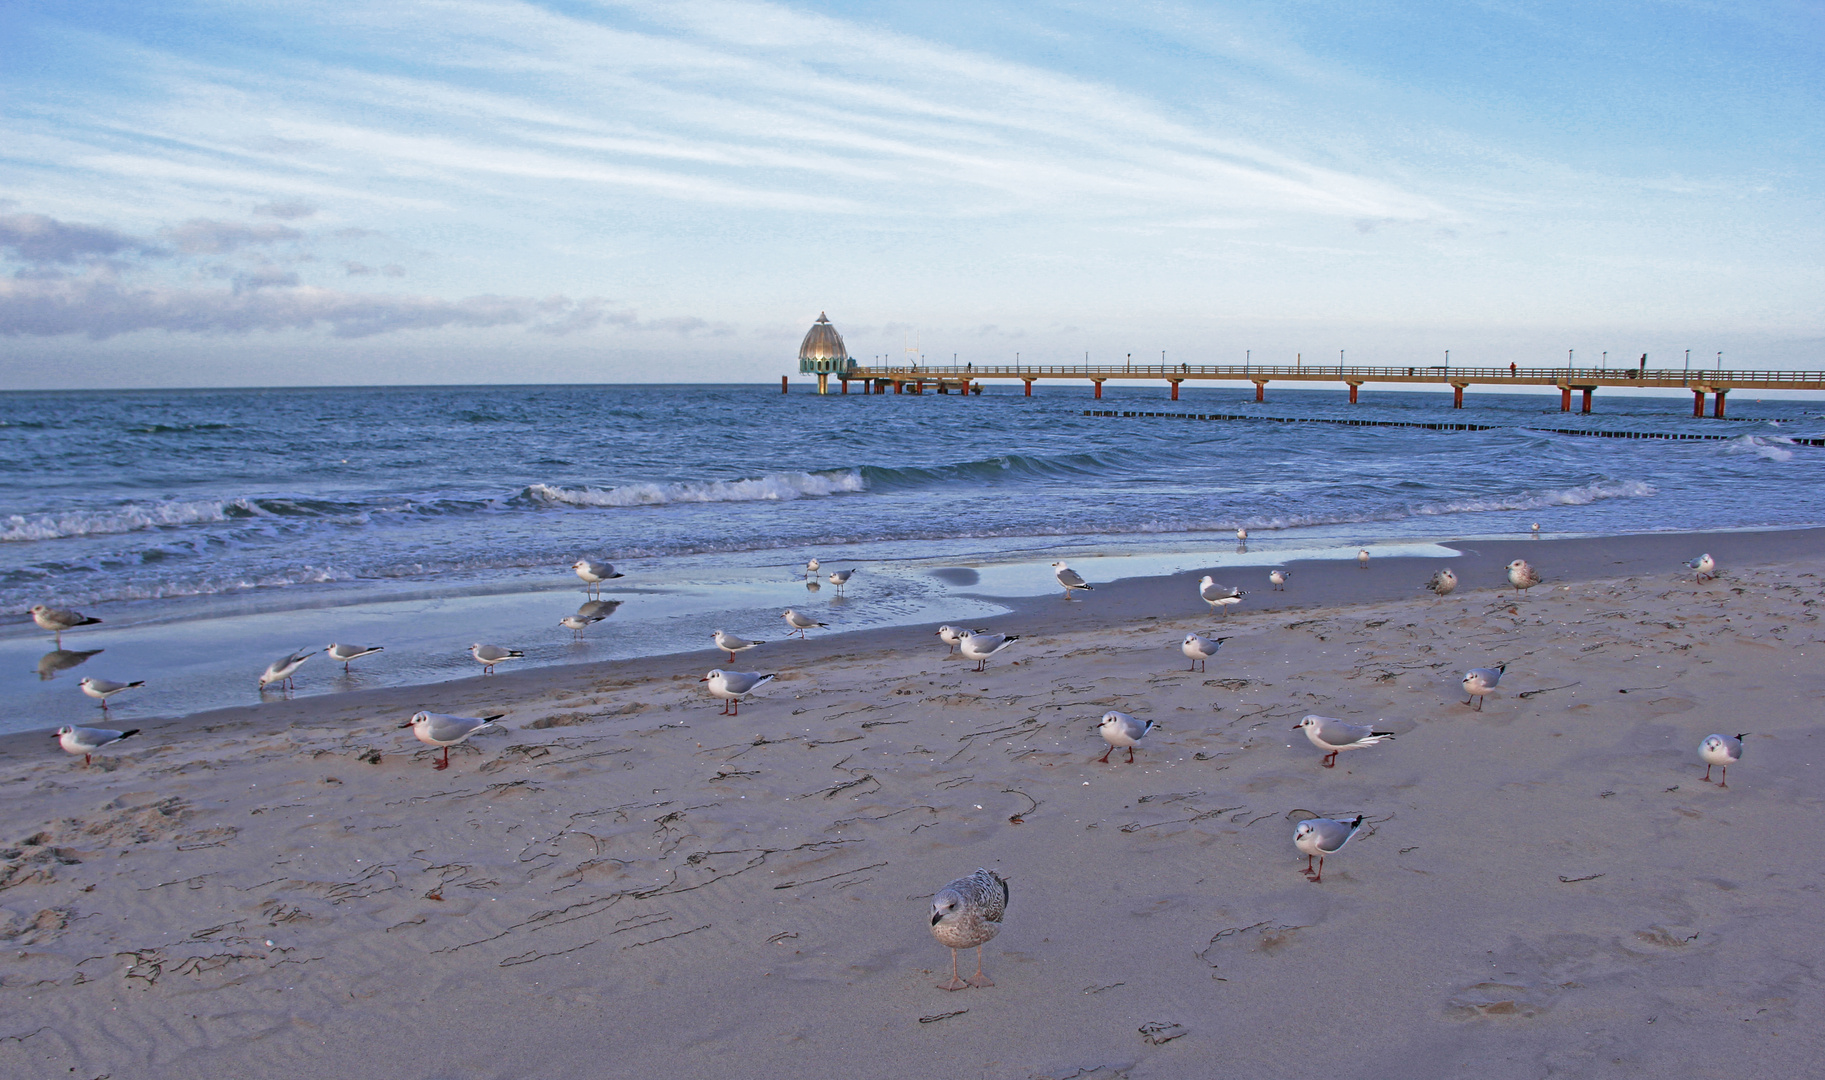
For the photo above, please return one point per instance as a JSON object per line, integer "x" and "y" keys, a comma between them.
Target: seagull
{"x": 489, "y": 655}
{"x": 1333, "y": 736}
{"x": 1200, "y": 649}
{"x": 57, "y": 620}
{"x": 1721, "y": 750}
{"x": 87, "y": 740}
{"x": 436, "y": 729}
{"x": 576, "y": 624}
{"x": 840, "y": 578}
{"x": 1362, "y": 558}
{"x": 1441, "y": 582}
{"x": 732, "y": 686}
{"x": 1219, "y": 596}
{"x": 811, "y": 568}
{"x": 800, "y": 623}
{"x": 594, "y": 573}
{"x": 1522, "y": 576}
{"x": 280, "y": 670}
{"x": 1277, "y": 578}
{"x": 731, "y": 644}
{"x": 1070, "y": 579}
{"x": 966, "y": 914}
{"x": 102, "y": 689}
{"x": 1480, "y": 681}
{"x": 1119, "y": 729}
{"x": 1241, "y": 534}
{"x": 1321, "y": 837}
{"x": 346, "y": 653}
{"x": 1703, "y": 567}
{"x": 950, "y": 635}
{"x": 979, "y": 647}
{"x": 1536, "y": 530}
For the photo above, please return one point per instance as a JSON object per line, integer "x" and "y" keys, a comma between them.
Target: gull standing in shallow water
{"x": 280, "y": 670}
{"x": 732, "y": 686}
{"x": 1118, "y": 729}
{"x": 436, "y": 729}
{"x": 1333, "y": 736}
{"x": 1702, "y": 567}
{"x": 840, "y": 578}
{"x": 103, "y": 689}
{"x": 731, "y": 644}
{"x": 1480, "y": 681}
{"x": 1320, "y": 837}
{"x": 1200, "y": 649}
{"x": 87, "y": 740}
{"x": 1219, "y": 596}
{"x": 1241, "y": 534}
{"x": 346, "y": 653}
{"x": 800, "y": 623}
{"x": 1362, "y": 558}
{"x": 57, "y": 620}
{"x": 1721, "y": 750}
{"x": 1441, "y": 582}
{"x": 966, "y": 914}
{"x": 576, "y": 624}
{"x": 489, "y": 655}
{"x": 594, "y": 573}
{"x": 811, "y": 569}
{"x": 979, "y": 647}
{"x": 1522, "y": 576}
{"x": 1070, "y": 579}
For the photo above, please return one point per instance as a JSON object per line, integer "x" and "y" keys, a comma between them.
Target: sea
{"x": 213, "y": 530}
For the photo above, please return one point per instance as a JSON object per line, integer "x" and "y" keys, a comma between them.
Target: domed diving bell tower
{"x": 823, "y": 354}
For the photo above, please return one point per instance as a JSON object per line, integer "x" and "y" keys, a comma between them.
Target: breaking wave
{"x": 775, "y": 487}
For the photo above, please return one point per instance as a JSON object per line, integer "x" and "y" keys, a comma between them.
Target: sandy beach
{"x": 619, "y": 881}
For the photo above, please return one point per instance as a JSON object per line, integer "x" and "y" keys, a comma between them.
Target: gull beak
{"x": 1296, "y": 727}
{"x": 407, "y": 724}
{"x": 706, "y": 678}
{"x": 936, "y": 915}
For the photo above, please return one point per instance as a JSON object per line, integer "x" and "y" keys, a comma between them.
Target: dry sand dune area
{"x": 620, "y": 881}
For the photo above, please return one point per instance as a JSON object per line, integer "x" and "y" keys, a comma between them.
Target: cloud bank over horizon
{"x": 698, "y": 179}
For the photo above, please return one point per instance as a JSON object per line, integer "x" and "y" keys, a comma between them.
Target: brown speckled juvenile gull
{"x": 966, "y": 914}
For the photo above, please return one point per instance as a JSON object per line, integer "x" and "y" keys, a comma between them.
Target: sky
{"x": 238, "y": 192}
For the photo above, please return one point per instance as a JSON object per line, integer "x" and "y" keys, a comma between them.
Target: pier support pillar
{"x": 1261, "y": 391}
{"x": 1718, "y": 409}
{"x": 1353, "y": 387}
{"x": 899, "y": 387}
{"x": 1698, "y": 403}
{"x": 1099, "y": 389}
{"x": 784, "y": 388}
{"x": 942, "y": 389}
{"x": 845, "y": 383}
{"x": 823, "y": 382}
{"x": 1029, "y": 383}
{"x": 1457, "y": 395}
{"x": 1565, "y": 399}
{"x": 1175, "y": 388}
{"x": 1587, "y": 398}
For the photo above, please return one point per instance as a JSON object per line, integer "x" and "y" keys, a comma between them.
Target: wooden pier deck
{"x": 962, "y": 379}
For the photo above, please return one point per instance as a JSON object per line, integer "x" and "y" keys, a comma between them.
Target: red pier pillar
{"x": 1565, "y": 398}
{"x": 1260, "y": 391}
{"x": 1718, "y": 410}
{"x": 784, "y": 385}
{"x": 1587, "y": 398}
{"x": 1099, "y": 389}
{"x": 1029, "y": 383}
{"x": 845, "y": 383}
{"x": 1175, "y": 388}
{"x": 1698, "y": 403}
{"x": 1353, "y": 387}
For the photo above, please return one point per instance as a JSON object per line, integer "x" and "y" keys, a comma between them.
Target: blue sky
{"x": 251, "y": 193}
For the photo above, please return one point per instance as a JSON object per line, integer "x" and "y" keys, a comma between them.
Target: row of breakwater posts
{"x": 1676, "y": 436}
{"x": 968, "y": 379}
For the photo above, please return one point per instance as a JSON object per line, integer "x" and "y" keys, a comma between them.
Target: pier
{"x": 965, "y": 379}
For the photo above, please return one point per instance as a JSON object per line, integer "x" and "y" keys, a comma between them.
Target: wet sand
{"x": 623, "y": 882}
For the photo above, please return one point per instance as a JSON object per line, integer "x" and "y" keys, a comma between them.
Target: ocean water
{"x": 212, "y": 528}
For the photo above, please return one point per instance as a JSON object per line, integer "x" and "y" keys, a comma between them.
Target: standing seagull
{"x": 800, "y": 623}
{"x": 966, "y": 914}
{"x": 103, "y": 689}
{"x": 1321, "y": 837}
{"x": 1118, "y": 729}
{"x": 811, "y": 569}
{"x": 732, "y": 686}
{"x": 280, "y": 670}
{"x": 731, "y": 644}
{"x": 436, "y": 729}
{"x": 1721, "y": 750}
{"x": 1277, "y": 578}
{"x": 951, "y": 635}
{"x": 1362, "y": 558}
{"x": 1480, "y": 681}
{"x": 1441, "y": 582}
{"x": 1219, "y": 596}
{"x": 1333, "y": 736}
{"x": 1200, "y": 649}
{"x": 1070, "y": 579}
{"x": 594, "y": 573}
{"x": 489, "y": 655}
{"x": 576, "y": 624}
{"x": 840, "y": 578}
{"x": 979, "y": 647}
{"x": 57, "y": 620}
{"x": 1702, "y": 567}
{"x": 87, "y": 740}
{"x": 346, "y": 653}
{"x": 1241, "y": 534}
{"x": 1522, "y": 576}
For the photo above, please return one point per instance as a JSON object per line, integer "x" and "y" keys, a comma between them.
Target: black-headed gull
{"x": 1200, "y": 649}
{"x": 1481, "y": 681}
{"x": 87, "y": 740}
{"x": 576, "y": 624}
{"x": 1320, "y": 837}
{"x": 979, "y": 647}
{"x": 1702, "y": 567}
{"x": 347, "y": 653}
{"x": 1362, "y": 558}
{"x": 1118, "y": 729}
{"x": 1334, "y": 736}
{"x": 840, "y": 578}
{"x": 437, "y": 729}
{"x": 1723, "y": 750}
{"x": 732, "y": 686}
{"x": 731, "y": 644}
{"x": 800, "y": 623}
{"x": 280, "y": 670}
{"x": 1277, "y": 578}
{"x": 489, "y": 655}
{"x": 103, "y": 689}
{"x": 951, "y": 635}
{"x": 965, "y": 915}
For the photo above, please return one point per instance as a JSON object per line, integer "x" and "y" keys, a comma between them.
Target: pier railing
{"x": 1433, "y": 373}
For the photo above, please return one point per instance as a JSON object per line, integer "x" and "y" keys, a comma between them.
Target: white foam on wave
{"x": 1768, "y": 448}
{"x": 775, "y": 487}
{"x": 133, "y": 517}
{"x": 1583, "y": 495}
